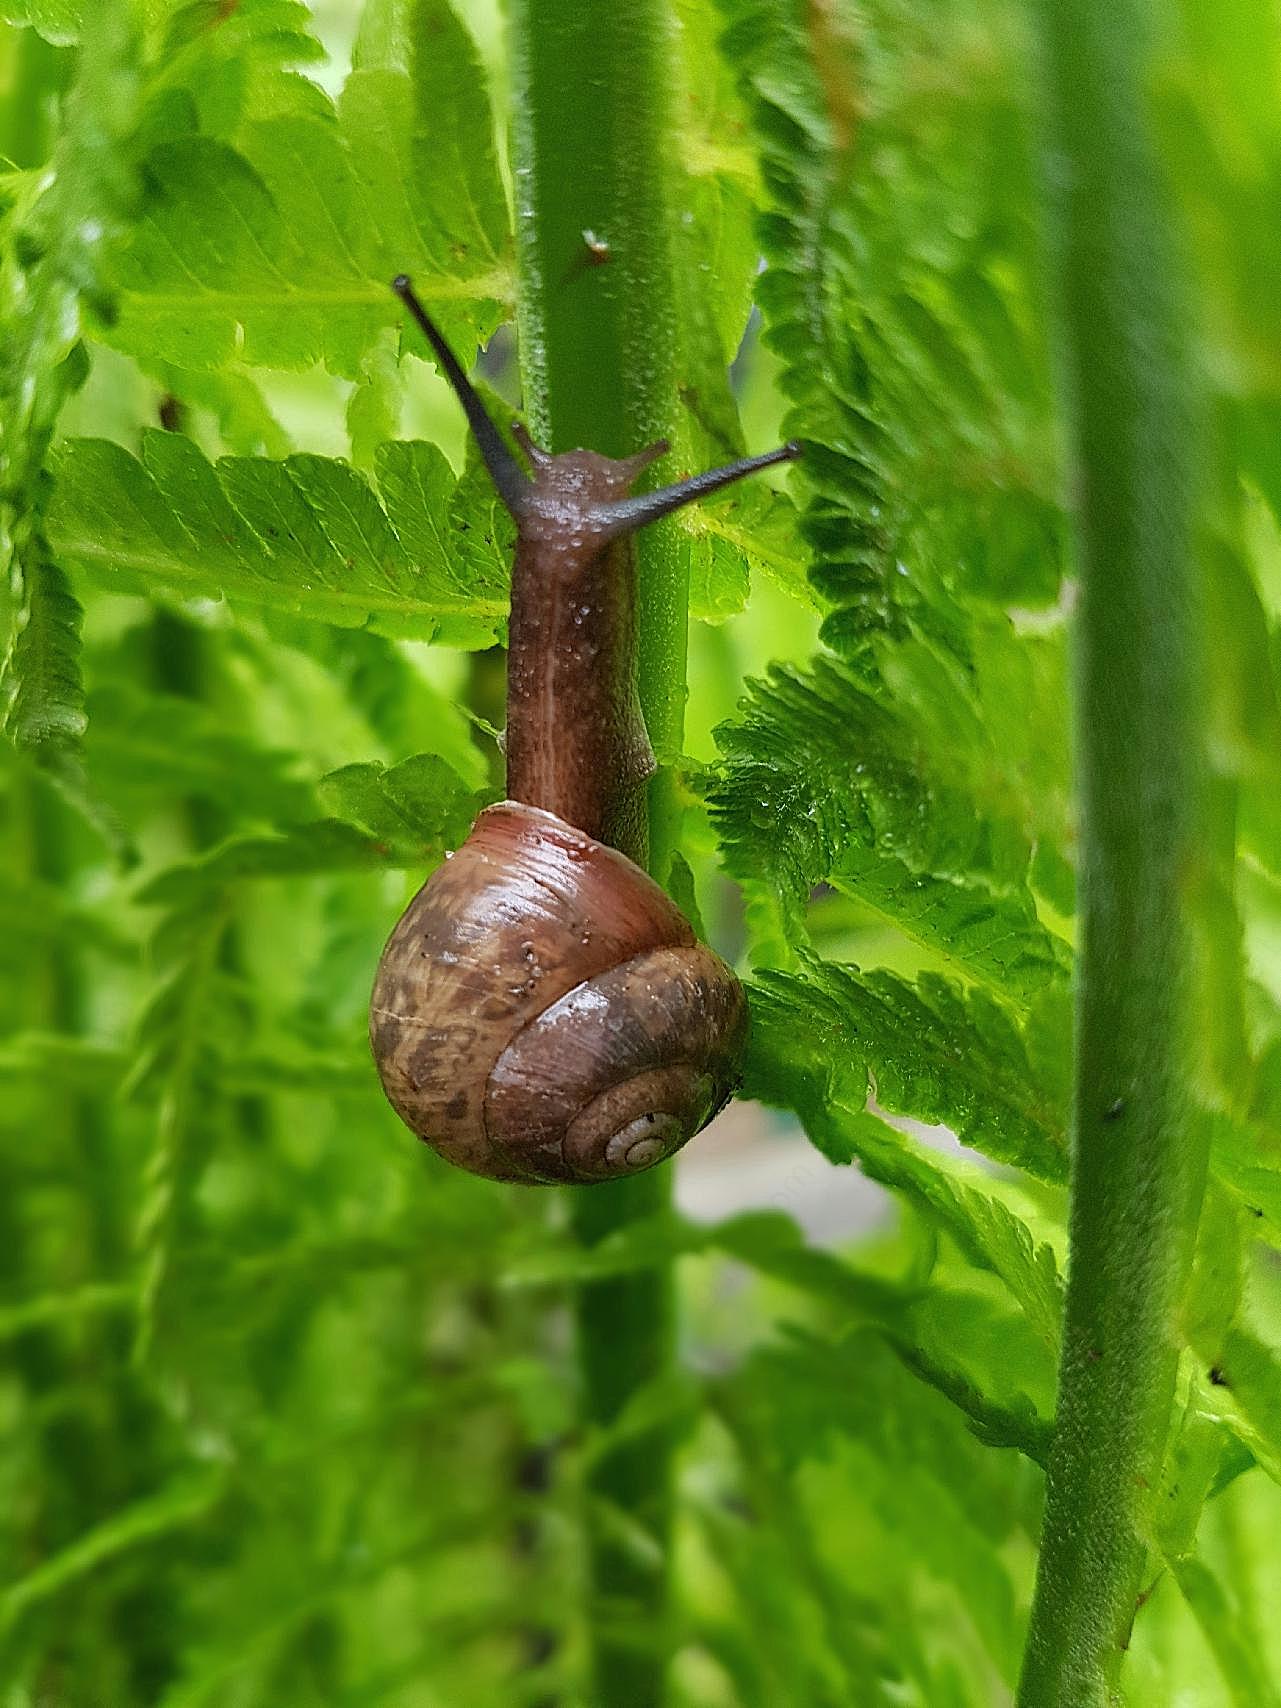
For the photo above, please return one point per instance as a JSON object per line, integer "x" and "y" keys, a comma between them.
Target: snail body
{"x": 543, "y": 1012}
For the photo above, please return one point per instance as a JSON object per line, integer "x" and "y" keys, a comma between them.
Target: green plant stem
{"x": 1138, "y": 1146}
{"x": 597, "y": 352}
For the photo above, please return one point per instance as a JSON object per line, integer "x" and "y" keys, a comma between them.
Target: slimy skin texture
{"x": 576, "y": 740}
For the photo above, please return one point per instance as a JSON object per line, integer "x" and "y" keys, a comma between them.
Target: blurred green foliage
{"x": 289, "y": 1407}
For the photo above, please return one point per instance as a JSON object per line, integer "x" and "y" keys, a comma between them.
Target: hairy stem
{"x": 597, "y": 330}
{"x": 1138, "y": 1147}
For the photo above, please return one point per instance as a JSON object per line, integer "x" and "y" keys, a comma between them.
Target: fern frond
{"x": 56, "y": 249}
{"x": 911, "y": 348}
{"x": 171, "y": 1066}
{"x": 917, "y": 810}
{"x": 45, "y": 715}
{"x": 926, "y": 1051}
{"x": 306, "y": 536}
{"x": 275, "y": 242}
{"x": 186, "y": 1501}
{"x": 929, "y": 1533}
{"x": 58, "y": 21}
{"x": 421, "y": 804}
{"x": 149, "y": 749}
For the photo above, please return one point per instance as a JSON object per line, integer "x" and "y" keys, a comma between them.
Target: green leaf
{"x": 84, "y": 1063}
{"x": 1245, "y": 698}
{"x": 290, "y": 1070}
{"x": 1192, "y": 1464}
{"x": 405, "y": 815}
{"x": 672, "y": 1402}
{"x": 279, "y": 251}
{"x": 171, "y": 1065}
{"x": 145, "y": 749}
{"x": 911, "y": 348}
{"x": 46, "y": 714}
{"x": 754, "y": 529}
{"x": 99, "y": 1298}
{"x": 1216, "y": 87}
{"x": 184, "y": 1501}
{"x": 212, "y": 255}
{"x": 820, "y": 1420}
{"x": 834, "y": 1036}
{"x": 766, "y": 1241}
{"x": 717, "y": 253}
{"x": 246, "y": 423}
{"x": 428, "y": 134}
{"x": 460, "y": 525}
{"x": 306, "y": 850}
{"x": 233, "y": 60}
{"x": 56, "y": 246}
{"x": 995, "y": 1420}
{"x": 825, "y": 780}
{"x": 58, "y": 21}
{"x": 421, "y": 802}
{"x": 305, "y": 536}
{"x": 36, "y": 915}
{"x": 45, "y": 718}
{"x": 968, "y": 1205}
{"x": 1247, "y": 1393}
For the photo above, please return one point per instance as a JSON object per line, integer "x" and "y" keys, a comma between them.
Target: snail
{"x": 543, "y": 1011}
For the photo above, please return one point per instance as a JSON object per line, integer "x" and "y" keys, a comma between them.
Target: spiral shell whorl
{"x": 543, "y": 1012}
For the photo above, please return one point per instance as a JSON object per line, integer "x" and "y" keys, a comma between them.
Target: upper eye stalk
{"x": 626, "y": 514}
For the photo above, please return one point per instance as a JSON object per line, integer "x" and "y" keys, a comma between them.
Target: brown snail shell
{"x": 543, "y": 1012}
